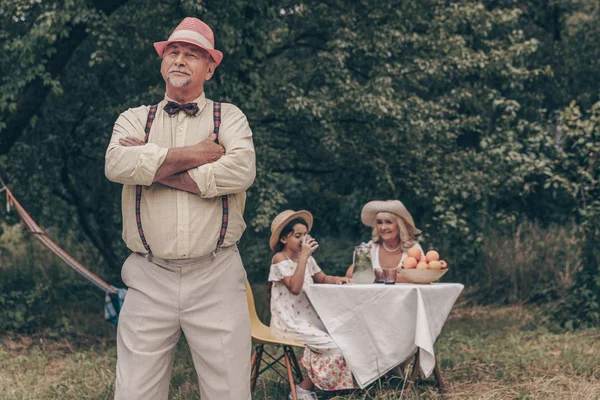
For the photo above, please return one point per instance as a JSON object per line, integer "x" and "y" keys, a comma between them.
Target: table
{"x": 378, "y": 326}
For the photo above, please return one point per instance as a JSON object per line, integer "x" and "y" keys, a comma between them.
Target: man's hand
{"x": 131, "y": 141}
{"x": 209, "y": 150}
{"x": 181, "y": 159}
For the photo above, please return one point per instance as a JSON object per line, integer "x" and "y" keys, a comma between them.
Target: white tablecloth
{"x": 378, "y": 326}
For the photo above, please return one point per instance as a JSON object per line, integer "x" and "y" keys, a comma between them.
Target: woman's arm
{"x": 350, "y": 271}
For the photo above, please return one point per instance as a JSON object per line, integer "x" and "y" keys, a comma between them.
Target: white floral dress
{"x": 294, "y": 318}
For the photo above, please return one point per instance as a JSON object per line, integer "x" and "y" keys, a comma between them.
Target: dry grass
{"x": 484, "y": 353}
{"x": 530, "y": 264}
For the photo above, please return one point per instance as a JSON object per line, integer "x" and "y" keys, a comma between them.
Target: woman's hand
{"x": 309, "y": 246}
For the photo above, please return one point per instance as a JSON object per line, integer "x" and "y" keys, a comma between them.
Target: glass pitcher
{"x": 363, "y": 266}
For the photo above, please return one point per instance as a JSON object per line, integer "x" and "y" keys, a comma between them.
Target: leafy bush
{"x": 577, "y": 172}
{"x": 24, "y": 304}
{"x": 37, "y": 290}
{"x": 581, "y": 306}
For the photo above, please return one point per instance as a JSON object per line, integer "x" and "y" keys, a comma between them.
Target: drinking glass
{"x": 389, "y": 276}
{"x": 308, "y": 237}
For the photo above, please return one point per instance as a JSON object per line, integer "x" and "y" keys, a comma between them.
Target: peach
{"x": 444, "y": 264}
{"x": 432, "y": 255}
{"x": 415, "y": 252}
{"x": 435, "y": 265}
{"x": 409, "y": 262}
{"x": 422, "y": 265}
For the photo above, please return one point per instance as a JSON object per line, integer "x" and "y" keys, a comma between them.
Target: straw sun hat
{"x": 192, "y": 31}
{"x": 283, "y": 219}
{"x": 372, "y": 208}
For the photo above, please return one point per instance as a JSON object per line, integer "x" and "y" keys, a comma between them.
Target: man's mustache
{"x": 183, "y": 71}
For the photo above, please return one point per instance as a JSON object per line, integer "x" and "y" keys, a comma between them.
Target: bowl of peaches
{"x": 419, "y": 268}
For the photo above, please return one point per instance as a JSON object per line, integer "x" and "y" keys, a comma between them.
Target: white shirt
{"x": 178, "y": 224}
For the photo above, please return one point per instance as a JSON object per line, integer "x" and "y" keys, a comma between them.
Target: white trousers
{"x": 204, "y": 297}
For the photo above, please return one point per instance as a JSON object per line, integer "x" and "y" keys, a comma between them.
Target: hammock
{"x": 114, "y": 297}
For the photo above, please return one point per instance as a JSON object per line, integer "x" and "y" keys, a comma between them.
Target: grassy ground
{"x": 484, "y": 353}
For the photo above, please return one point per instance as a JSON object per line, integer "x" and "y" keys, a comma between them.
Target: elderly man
{"x": 185, "y": 165}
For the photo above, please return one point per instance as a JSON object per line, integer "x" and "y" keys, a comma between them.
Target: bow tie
{"x": 173, "y": 108}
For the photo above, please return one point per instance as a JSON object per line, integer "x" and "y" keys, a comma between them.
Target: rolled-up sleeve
{"x": 236, "y": 170}
{"x": 134, "y": 165}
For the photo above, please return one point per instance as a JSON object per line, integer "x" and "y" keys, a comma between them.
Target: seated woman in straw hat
{"x": 292, "y": 315}
{"x": 393, "y": 234}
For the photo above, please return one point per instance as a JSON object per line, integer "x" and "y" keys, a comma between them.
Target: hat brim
{"x": 305, "y": 215}
{"x": 215, "y": 54}
{"x": 371, "y": 209}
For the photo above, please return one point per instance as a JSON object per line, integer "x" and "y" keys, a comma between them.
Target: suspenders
{"x": 224, "y": 199}
{"x": 138, "y": 188}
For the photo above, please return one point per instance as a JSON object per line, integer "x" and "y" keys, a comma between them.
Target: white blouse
{"x": 375, "y": 255}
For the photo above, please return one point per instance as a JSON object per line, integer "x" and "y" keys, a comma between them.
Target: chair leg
{"x": 290, "y": 376}
{"x": 255, "y": 365}
{"x": 252, "y": 361}
{"x": 441, "y": 382}
{"x": 295, "y": 365}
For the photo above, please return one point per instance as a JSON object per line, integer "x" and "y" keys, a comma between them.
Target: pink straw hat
{"x": 192, "y": 31}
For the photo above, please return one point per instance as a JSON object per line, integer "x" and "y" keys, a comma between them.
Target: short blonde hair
{"x": 407, "y": 240}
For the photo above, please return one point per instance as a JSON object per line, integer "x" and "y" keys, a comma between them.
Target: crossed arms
{"x": 206, "y": 168}
{"x": 173, "y": 171}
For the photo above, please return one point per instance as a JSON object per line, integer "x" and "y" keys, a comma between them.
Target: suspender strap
{"x": 224, "y": 198}
{"x": 138, "y": 188}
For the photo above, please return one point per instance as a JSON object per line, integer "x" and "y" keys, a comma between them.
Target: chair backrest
{"x": 251, "y": 305}
{"x": 261, "y": 336}
{"x": 261, "y": 333}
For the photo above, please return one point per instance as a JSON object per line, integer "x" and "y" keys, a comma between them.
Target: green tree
{"x": 578, "y": 173}
{"x": 446, "y": 105}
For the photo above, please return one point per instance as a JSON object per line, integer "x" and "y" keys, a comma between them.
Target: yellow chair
{"x": 261, "y": 335}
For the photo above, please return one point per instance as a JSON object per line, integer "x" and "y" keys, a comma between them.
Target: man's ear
{"x": 211, "y": 70}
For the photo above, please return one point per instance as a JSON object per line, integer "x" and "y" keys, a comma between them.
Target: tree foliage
{"x": 461, "y": 109}
{"x": 578, "y": 173}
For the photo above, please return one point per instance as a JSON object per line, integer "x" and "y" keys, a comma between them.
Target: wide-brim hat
{"x": 192, "y": 31}
{"x": 284, "y": 218}
{"x": 372, "y": 208}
